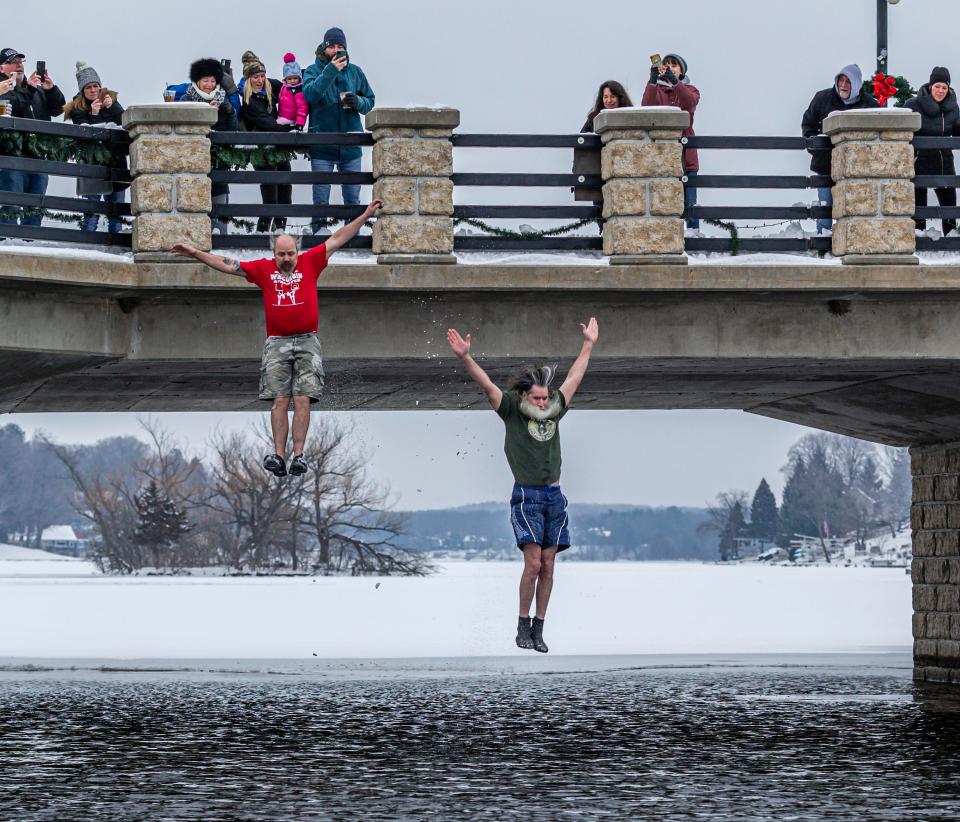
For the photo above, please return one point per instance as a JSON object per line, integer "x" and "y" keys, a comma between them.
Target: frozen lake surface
{"x": 63, "y": 609}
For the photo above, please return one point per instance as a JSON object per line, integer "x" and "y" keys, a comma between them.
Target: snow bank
{"x": 467, "y": 610}
{"x": 17, "y": 561}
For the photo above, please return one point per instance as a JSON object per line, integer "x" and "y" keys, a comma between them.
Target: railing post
{"x": 412, "y": 164}
{"x": 873, "y": 199}
{"x": 641, "y": 164}
{"x": 169, "y": 163}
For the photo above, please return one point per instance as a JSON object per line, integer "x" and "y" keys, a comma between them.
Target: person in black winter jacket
{"x": 936, "y": 103}
{"x": 207, "y": 80}
{"x": 95, "y": 105}
{"x": 258, "y": 112}
{"x": 35, "y": 98}
{"x": 844, "y": 95}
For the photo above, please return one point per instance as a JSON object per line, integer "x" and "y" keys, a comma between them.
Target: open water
{"x": 785, "y": 738}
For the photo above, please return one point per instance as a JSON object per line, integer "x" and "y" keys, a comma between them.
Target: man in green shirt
{"x": 531, "y": 413}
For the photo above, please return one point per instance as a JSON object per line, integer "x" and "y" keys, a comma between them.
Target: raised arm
{"x": 461, "y": 347}
{"x": 575, "y": 376}
{"x": 228, "y": 265}
{"x": 343, "y": 235}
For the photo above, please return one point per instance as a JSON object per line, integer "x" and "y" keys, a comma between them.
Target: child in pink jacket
{"x": 292, "y": 108}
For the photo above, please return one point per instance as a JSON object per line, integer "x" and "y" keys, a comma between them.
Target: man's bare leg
{"x": 548, "y": 558}
{"x": 301, "y": 423}
{"x": 279, "y": 424}
{"x": 528, "y": 581}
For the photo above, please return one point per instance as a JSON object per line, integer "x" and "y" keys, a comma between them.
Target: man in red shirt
{"x": 292, "y": 366}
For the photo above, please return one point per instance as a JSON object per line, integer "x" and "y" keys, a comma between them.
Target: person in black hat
{"x": 936, "y": 103}
{"x": 34, "y": 98}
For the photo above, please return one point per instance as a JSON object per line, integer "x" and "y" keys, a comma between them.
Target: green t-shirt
{"x": 532, "y": 447}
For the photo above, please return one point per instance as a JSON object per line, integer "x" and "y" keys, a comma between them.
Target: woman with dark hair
{"x": 258, "y": 112}
{"x": 611, "y": 94}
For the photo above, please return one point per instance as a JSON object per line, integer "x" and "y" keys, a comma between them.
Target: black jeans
{"x": 946, "y": 197}
{"x": 274, "y": 194}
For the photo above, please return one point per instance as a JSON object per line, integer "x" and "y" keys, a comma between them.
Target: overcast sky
{"x": 517, "y": 67}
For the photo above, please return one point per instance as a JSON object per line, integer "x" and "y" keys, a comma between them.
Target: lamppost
{"x": 882, "y": 33}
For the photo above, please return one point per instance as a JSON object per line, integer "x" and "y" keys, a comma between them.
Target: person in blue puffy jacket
{"x": 337, "y": 91}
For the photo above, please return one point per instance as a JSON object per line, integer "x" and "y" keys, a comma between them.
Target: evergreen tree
{"x": 728, "y": 537}
{"x": 160, "y": 524}
{"x": 899, "y": 491}
{"x": 764, "y": 516}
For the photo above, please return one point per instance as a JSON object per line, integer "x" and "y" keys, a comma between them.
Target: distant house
{"x": 62, "y": 539}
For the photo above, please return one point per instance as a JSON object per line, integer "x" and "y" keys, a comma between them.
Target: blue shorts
{"x": 538, "y": 514}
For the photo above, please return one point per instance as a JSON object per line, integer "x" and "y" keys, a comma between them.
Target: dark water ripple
{"x": 784, "y": 744}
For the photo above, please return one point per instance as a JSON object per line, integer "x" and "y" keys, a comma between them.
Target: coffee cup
{"x": 169, "y": 95}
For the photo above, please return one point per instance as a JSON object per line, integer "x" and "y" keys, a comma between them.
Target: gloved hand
{"x": 350, "y": 100}
{"x": 654, "y": 74}
{"x": 670, "y": 77}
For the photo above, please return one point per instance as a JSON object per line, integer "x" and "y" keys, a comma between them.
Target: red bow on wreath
{"x": 884, "y": 87}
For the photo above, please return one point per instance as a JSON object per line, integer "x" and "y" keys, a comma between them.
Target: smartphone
{"x": 655, "y": 59}
{"x": 225, "y": 65}
{"x": 338, "y": 54}
{"x": 41, "y": 68}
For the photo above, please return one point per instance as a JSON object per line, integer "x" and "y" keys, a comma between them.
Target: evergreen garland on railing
{"x": 734, "y": 234}
{"x": 13, "y": 212}
{"x": 61, "y": 149}
{"x": 236, "y": 158}
{"x": 497, "y": 231}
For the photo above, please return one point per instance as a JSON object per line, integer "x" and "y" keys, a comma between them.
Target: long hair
{"x": 248, "y": 91}
{"x": 617, "y": 90}
{"x": 541, "y": 375}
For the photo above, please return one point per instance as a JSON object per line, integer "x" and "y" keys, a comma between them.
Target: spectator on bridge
{"x": 95, "y": 105}
{"x": 292, "y": 108}
{"x": 611, "y": 94}
{"x": 337, "y": 92}
{"x": 845, "y": 94}
{"x": 33, "y": 98}
{"x": 258, "y": 112}
{"x": 670, "y": 86}
{"x": 936, "y": 103}
{"x": 206, "y": 86}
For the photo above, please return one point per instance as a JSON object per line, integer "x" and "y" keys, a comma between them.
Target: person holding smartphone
{"x": 670, "y": 86}
{"x": 337, "y": 92}
{"x": 35, "y": 98}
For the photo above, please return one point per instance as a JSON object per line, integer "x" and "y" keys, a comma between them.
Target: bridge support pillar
{"x": 935, "y": 518}
{"x": 412, "y": 165}
{"x": 641, "y": 163}
{"x": 873, "y": 199}
{"x": 169, "y": 163}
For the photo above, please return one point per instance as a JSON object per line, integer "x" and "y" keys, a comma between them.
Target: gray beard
{"x": 530, "y": 411}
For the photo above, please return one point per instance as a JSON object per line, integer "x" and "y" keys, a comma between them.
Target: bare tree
{"x": 725, "y": 517}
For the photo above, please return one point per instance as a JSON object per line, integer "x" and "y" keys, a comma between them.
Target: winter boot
{"x": 523, "y": 633}
{"x": 298, "y": 465}
{"x": 536, "y": 635}
{"x": 275, "y": 465}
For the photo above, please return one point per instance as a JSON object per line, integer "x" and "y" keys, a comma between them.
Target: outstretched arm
{"x": 344, "y": 235}
{"x": 461, "y": 347}
{"x": 228, "y": 265}
{"x": 591, "y": 332}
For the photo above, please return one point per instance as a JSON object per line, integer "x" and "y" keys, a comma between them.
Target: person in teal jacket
{"x": 337, "y": 92}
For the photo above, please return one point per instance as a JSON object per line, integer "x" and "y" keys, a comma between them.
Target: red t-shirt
{"x": 289, "y": 300}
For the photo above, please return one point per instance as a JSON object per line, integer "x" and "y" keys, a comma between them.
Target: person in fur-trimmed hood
{"x": 95, "y": 105}
{"x": 670, "y": 86}
{"x": 936, "y": 103}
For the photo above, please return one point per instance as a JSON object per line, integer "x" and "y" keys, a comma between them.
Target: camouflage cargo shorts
{"x": 292, "y": 367}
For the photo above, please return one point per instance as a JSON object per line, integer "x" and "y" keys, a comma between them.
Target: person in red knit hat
{"x": 292, "y": 108}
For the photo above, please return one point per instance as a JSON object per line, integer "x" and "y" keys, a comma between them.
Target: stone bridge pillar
{"x": 873, "y": 199}
{"x": 935, "y": 518}
{"x": 169, "y": 163}
{"x": 642, "y": 163}
{"x": 412, "y": 164}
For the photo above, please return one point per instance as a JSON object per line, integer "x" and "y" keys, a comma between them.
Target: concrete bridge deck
{"x": 872, "y": 351}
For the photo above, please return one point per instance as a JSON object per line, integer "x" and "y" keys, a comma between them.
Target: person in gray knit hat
{"x": 95, "y": 105}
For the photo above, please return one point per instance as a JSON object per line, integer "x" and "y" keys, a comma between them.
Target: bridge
{"x": 865, "y": 344}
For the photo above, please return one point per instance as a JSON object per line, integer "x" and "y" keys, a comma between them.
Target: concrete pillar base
{"x": 416, "y": 259}
{"x": 157, "y": 257}
{"x": 649, "y": 259}
{"x": 880, "y": 259}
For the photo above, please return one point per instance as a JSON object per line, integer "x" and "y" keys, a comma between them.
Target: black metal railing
{"x": 932, "y": 181}
{"x": 54, "y": 138}
{"x": 726, "y": 214}
{"x": 299, "y": 143}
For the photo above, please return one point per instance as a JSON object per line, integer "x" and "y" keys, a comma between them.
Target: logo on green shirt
{"x": 542, "y": 430}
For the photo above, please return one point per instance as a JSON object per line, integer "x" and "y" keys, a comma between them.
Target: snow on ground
{"x": 17, "y": 561}
{"x": 466, "y": 610}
